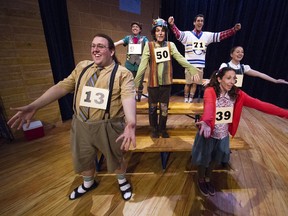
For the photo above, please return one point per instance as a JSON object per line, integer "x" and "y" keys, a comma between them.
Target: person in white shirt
{"x": 237, "y": 54}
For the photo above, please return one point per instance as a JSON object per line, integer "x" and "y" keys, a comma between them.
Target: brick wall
{"x": 25, "y": 71}
{"x": 90, "y": 17}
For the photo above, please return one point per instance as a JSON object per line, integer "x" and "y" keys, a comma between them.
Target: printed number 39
{"x": 220, "y": 115}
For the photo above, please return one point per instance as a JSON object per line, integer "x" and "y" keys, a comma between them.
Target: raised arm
{"x": 255, "y": 73}
{"x": 25, "y": 113}
{"x": 173, "y": 27}
{"x": 230, "y": 32}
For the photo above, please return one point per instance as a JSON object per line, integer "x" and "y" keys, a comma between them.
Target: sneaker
{"x": 210, "y": 188}
{"x": 190, "y": 100}
{"x": 203, "y": 188}
{"x": 185, "y": 100}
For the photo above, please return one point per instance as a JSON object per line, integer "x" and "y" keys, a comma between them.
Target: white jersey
{"x": 196, "y": 45}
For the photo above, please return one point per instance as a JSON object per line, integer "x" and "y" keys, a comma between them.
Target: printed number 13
{"x": 98, "y": 100}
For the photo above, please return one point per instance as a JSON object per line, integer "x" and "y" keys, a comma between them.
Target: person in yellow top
{"x": 104, "y": 94}
{"x": 158, "y": 54}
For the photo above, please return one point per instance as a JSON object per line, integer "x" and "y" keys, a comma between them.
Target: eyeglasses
{"x": 98, "y": 46}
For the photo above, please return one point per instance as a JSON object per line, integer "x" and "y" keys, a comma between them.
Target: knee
{"x": 164, "y": 109}
{"x": 152, "y": 108}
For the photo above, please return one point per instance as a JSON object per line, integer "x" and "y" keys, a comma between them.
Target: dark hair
{"x": 154, "y": 30}
{"x": 216, "y": 85}
{"x": 161, "y": 23}
{"x": 111, "y": 45}
{"x": 233, "y": 49}
{"x": 198, "y": 15}
{"x": 136, "y": 23}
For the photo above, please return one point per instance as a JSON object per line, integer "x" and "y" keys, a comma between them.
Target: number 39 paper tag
{"x": 224, "y": 115}
{"x": 94, "y": 97}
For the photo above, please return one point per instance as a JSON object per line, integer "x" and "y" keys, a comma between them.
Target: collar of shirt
{"x": 196, "y": 32}
{"x": 226, "y": 96}
{"x": 157, "y": 45}
{"x": 106, "y": 69}
{"x": 234, "y": 66}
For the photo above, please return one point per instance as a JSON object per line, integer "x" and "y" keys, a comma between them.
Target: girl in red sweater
{"x": 223, "y": 104}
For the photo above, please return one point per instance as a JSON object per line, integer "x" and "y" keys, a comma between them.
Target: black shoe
{"x": 225, "y": 165}
{"x": 154, "y": 134}
{"x": 210, "y": 188}
{"x": 128, "y": 187}
{"x": 165, "y": 134}
{"x": 203, "y": 187}
{"x": 77, "y": 194}
{"x": 139, "y": 97}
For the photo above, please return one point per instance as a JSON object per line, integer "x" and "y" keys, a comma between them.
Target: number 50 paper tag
{"x": 94, "y": 97}
{"x": 224, "y": 115}
{"x": 162, "y": 54}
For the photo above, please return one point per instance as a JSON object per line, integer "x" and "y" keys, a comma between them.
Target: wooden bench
{"x": 175, "y": 108}
{"x": 180, "y": 81}
{"x": 183, "y": 82}
{"x": 181, "y": 140}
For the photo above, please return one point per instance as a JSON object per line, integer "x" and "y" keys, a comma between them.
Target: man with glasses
{"x": 104, "y": 94}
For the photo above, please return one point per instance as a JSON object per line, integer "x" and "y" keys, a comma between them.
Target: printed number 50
{"x": 161, "y": 55}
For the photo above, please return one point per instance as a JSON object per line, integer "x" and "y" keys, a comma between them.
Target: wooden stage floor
{"x": 37, "y": 176}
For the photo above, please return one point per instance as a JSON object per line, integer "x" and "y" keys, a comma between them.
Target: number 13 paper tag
{"x": 224, "y": 115}
{"x": 94, "y": 97}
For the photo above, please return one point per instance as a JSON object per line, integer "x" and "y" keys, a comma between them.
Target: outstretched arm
{"x": 26, "y": 113}
{"x": 263, "y": 106}
{"x": 129, "y": 105}
{"x": 118, "y": 43}
{"x": 255, "y": 73}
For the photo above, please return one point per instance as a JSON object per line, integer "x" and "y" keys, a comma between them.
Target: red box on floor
{"x": 34, "y": 131}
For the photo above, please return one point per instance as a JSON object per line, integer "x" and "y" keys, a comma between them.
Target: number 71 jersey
{"x": 196, "y": 45}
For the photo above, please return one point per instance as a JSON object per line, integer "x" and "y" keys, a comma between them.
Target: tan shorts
{"x": 88, "y": 138}
{"x": 189, "y": 78}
